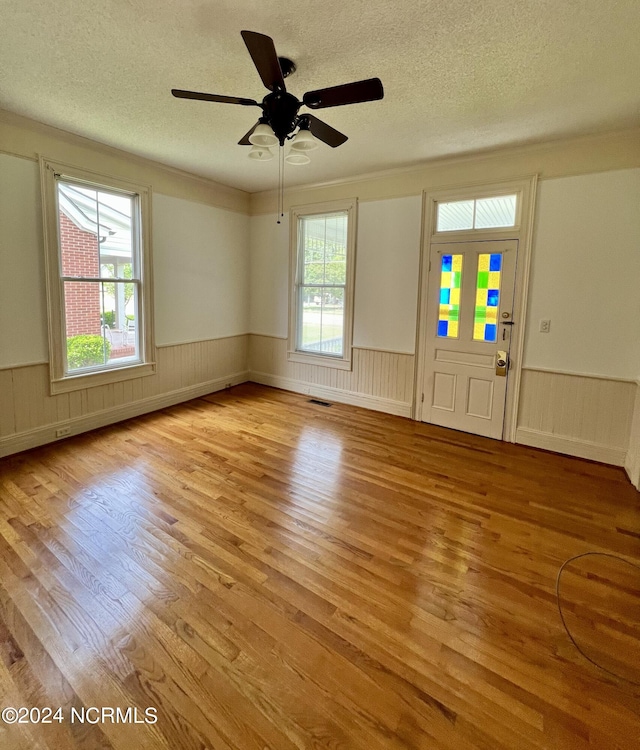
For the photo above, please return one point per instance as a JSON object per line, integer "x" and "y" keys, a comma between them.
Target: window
{"x": 481, "y": 213}
{"x": 96, "y": 232}
{"x": 322, "y": 252}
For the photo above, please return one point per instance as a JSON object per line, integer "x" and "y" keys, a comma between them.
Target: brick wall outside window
{"x": 80, "y": 257}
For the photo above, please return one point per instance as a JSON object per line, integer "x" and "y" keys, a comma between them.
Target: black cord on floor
{"x": 566, "y": 627}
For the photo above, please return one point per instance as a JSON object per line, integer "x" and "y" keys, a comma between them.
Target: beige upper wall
{"x": 562, "y": 158}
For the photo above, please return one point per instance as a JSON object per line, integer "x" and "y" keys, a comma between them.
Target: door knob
{"x": 502, "y": 362}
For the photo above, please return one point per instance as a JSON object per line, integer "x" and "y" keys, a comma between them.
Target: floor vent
{"x": 318, "y": 402}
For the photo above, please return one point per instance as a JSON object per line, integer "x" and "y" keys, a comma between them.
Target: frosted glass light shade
{"x": 263, "y": 136}
{"x": 297, "y": 157}
{"x": 303, "y": 141}
{"x": 260, "y": 153}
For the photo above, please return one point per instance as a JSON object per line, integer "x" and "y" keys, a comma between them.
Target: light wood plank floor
{"x": 269, "y": 573}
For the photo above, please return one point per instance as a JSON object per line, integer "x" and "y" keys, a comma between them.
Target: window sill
{"x": 105, "y": 377}
{"x": 322, "y": 360}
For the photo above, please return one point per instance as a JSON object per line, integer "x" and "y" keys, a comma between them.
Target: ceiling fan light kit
{"x": 263, "y": 135}
{"x": 303, "y": 141}
{"x": 297, "y": 157}
{"x": 281, "y": 121}
{"x": 261, "y": 153}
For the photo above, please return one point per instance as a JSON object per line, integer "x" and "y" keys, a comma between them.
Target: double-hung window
{"x": 322, "y": 281}
{"x": 98, "y": 277}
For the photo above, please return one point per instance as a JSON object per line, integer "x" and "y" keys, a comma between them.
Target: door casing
{"x": 525, "y": 189}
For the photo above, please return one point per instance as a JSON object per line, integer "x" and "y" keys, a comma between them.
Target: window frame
{"x": 51, "y": 172}
{"x": 475, "y": 193}
{"x": 344, "y": 362}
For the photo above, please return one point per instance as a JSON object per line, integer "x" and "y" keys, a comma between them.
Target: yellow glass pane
{"x": 481, "y": 297}
{"x": 478, "y": 331}
{"x": 456, "y": 263}
{"x": 455, "y": 296}
{"x": 494, "y": 279}
{"x": 492, "y": 315}
{"x": 445, "y": 280}
{"x": 453, "y": 328}
{"x": 483, "y": 262}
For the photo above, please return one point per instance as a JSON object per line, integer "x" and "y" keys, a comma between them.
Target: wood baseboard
{"x": 389, "y": 406}
{"x": 47, "y": 434}
{"x": 571, "y": 446}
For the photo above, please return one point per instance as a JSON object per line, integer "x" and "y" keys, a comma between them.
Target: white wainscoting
{"x": 632, "y": 461}
{"x": 379, "y": 380}
{"x": 30, "y": 416}
{"x": 578, "y": 414}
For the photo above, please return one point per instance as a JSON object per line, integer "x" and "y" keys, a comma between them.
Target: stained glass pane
{"x": 485, "y": 320}
{"x": 449, "y": 311}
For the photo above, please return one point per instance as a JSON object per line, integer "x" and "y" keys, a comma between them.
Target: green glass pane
{"x": 483, "y": 279}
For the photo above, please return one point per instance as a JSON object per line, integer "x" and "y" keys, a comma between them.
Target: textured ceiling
{"x": 459, "y": 76}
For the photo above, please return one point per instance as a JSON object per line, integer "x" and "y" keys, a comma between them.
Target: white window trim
{"x": 61, "y": 383}
{"x": 478, "y": 192}
{"x": 350, "y": 206}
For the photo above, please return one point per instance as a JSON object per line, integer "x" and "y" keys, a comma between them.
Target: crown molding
{"x": 565, "y": 157}
{"x": 26, "y": 138}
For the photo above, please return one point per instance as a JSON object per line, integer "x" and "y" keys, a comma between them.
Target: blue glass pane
{"x": 446, "y": 262}
{"x": 443, "y": 327}
{"x": 490, "y": 332}
{"x": 495, "y": 261}
{"x": 445, "y": 296}
{"x": 492, "y": 297}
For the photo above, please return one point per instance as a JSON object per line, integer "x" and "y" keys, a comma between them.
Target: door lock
{"x": 502, "y": 363}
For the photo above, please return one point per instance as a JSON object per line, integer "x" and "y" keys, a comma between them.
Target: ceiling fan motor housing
{"x": 281, "y": 110}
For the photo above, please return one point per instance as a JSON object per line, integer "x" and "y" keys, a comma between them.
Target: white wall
{"x": 387, "y": 262}
{"x": 585, "y": 275}
{"x": 23, "y": 321}
{"x": 269, "y": 274}
{"x": 387, "y": 265}
{"x": 632, "y": 462}
{"x": 201, "y": 272}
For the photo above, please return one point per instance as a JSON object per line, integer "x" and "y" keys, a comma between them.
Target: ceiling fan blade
{"x": 324, "y": 132}
{"x": 349, "y": 93}
{"x": 244, "y": 141}
{"x": 263, "y": 54}
{"x": 213, "y": 98}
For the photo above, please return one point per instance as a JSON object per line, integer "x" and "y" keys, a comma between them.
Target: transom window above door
{"x": 495, "y": 212}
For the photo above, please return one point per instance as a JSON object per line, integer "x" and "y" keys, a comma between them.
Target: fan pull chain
{"x": 280, "y": 208}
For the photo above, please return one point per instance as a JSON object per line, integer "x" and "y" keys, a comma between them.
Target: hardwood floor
{"x": 270, "y": 573}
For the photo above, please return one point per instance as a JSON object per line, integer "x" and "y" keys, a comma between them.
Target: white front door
{"x": 469, "y": 325}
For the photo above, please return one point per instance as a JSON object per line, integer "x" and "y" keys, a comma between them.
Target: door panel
{"x": 470, "y": 299}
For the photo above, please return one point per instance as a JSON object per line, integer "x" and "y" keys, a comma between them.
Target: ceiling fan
{"x": 280, "y": 109}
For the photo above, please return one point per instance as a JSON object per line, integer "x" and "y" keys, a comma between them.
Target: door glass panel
{"x": 449, "y": 310}
{"x": 485, "y": 319}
